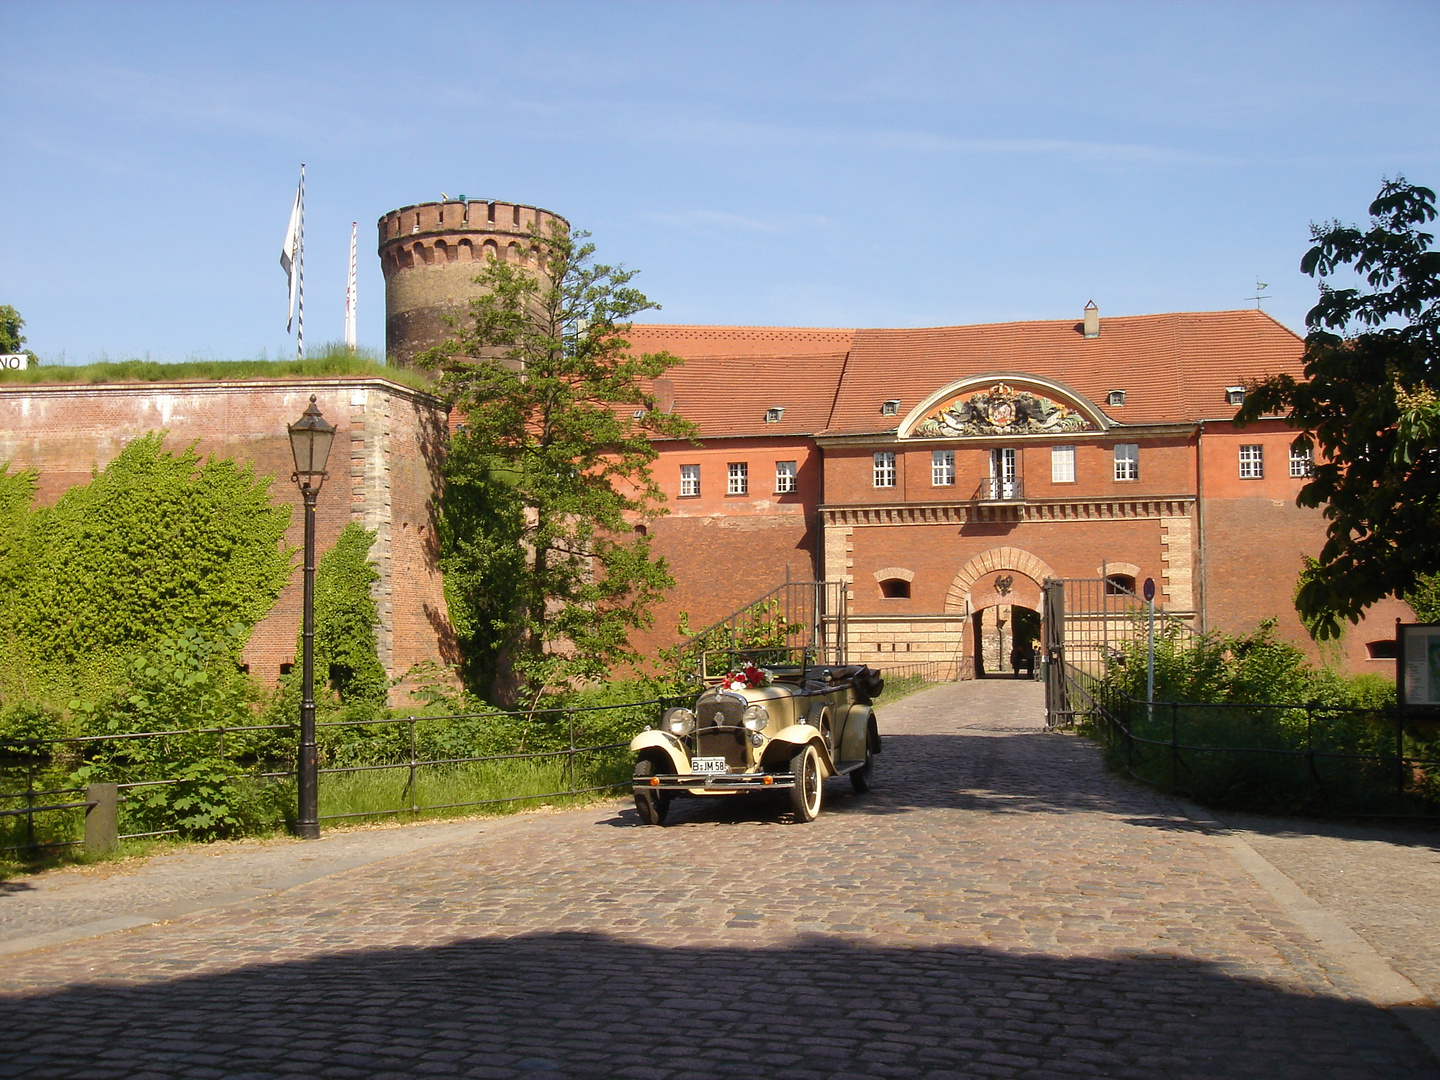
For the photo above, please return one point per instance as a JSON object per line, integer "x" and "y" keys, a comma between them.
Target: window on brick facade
{"x": 942, "y": 468}
{"x": 1119, "y": 585}
{"x": 689, "y": 481}
{"x": 895, "y": 588}
{"x": 1385, "y": 649}
{"x": 1004, "y": 473}
{"x": 1301, "y": 463}
{"x": 1252, "y": 462}
{"x": 739, "y": 478}
{"x": 885, "y": 468}
{"x": 784, "y": 477}
{"x": 1062, "y": 464}
{"x": 1127, "y": 461}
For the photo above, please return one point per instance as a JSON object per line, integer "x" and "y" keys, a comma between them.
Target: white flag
{"x": 290, "y": 251}
{"x": 350, "y": 292}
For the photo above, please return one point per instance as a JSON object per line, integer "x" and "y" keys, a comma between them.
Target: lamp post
{"x": 310, "y": 439}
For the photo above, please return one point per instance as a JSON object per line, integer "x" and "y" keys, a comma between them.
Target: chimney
{"x": 1092, "y": 320}
{"x": 665, "y": 394}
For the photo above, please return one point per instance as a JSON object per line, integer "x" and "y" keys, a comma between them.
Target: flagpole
{"x": 350, "y": 291}
{"x": 300, "y": 275}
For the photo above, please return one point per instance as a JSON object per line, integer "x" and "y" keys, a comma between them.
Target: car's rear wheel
{"x": 805, "y": 795}
{"x": 651, "y": 804}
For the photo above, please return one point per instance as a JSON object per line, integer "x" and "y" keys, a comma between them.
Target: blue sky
{"x": 781, "y": 163}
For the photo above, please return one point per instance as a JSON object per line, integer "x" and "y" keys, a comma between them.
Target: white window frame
{"x": 689, "y": 481}
{"x": 784, "y": 477}
{"x": 1062, "y": 464}
{"x": 942, "y": 468}
{"x": 884, "y": 474}
{"x": 1127, "y": 461}
{"x": 737, "y": 478}
{"x": 1302, "y": 463}
{"x": 1252, "y": 461}
{"x": 1004, "y": 472}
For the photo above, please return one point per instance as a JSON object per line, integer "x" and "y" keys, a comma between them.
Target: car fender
{"x": 857, "y": 732}
{"x": 651, "y": 742}
{"x": 786, "y": 741}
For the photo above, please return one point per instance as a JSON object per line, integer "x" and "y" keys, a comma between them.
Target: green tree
{"x": 557, "y": 445}
{"x": 1369, "y": 404}
{"x": 11, "y": 339}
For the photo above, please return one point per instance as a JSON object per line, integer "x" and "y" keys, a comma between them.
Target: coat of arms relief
{"x": 1001, "y": 410}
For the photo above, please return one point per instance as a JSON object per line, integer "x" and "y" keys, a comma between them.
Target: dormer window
{"x": 890, "y": 408}
{"x": 1115, "y": 397}
{"x": 1234, "y": 395}
{"x": 638, "y": 414}
{"x": 773, "y": 415}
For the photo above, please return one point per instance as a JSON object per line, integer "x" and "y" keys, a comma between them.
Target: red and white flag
{"x": 350, "y": 292}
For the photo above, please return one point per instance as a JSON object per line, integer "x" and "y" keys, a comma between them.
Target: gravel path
{"x": 997, "y": 906}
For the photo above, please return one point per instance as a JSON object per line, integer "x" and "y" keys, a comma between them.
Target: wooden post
{"x": 102, "y": 827}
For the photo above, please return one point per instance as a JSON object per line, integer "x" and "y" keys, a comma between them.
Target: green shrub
{"x": 345, "y": 620}
{"x": 156, "y": 542}
{"x": 182, "y": 689}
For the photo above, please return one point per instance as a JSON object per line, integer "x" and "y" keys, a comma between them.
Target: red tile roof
{"x": 1173, "y": 368}
{"x": 730, "y": 395}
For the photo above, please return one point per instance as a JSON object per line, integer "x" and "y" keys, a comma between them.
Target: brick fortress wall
{"x": 384, "y": 474}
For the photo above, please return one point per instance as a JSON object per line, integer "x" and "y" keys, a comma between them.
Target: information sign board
{"x": 14, "y": 361}
{"x": 1417, "y": 678}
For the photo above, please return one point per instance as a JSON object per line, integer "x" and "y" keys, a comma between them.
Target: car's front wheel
{"x": 652, "y": 805}
{"x": 806, "y": 793}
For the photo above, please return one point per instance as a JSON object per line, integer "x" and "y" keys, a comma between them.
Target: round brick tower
{"x": 430, "y": 254}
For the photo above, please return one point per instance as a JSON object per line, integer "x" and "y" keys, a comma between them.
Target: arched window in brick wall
{"x": 894, "y": 582}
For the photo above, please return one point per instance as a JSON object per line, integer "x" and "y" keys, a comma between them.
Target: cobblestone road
{"x": 998, "y": 906}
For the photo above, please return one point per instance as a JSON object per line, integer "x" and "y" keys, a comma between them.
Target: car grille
{"x": 717, "y": 728}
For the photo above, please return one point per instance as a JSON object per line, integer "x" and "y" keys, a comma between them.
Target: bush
{"x": 1330, "y": 739}
{"x": 156, "y": 542}
{"x": 183, "y": 690}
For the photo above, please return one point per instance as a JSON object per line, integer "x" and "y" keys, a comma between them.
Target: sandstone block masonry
{"x": 384, "y": 474}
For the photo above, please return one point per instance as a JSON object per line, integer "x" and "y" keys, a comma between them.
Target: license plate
{"x": 708, "y": 765}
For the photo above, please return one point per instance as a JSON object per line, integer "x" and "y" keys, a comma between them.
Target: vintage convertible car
{"x": 775, "y": 729}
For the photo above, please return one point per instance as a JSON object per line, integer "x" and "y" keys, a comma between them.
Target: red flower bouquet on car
{"x": 747, "y": 677}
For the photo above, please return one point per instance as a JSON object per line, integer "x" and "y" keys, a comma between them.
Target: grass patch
{"x": 503, "y": 787}
{"x": 902, "y": 686}
{"x": 330, "y": 359}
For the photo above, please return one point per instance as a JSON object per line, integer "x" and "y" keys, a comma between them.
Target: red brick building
{"x": 945, "y": 472}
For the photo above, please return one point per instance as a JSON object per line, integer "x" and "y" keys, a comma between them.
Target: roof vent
{"x": 773, "y": 414}
{"x": 1092, "y": 320}
{"x": 1115, "y": 397}
{"x": 1234, "y": 395}
{"x": 890, "y": 408}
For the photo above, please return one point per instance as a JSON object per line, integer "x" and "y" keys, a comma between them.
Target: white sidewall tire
{"x": 808, "y": 793}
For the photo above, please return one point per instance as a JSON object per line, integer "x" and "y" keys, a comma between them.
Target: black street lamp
{"x": 310, "y": 439}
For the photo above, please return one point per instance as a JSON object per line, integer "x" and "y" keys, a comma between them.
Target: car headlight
{"x": 679, "y": 722}
{"x": 756, "y": 718}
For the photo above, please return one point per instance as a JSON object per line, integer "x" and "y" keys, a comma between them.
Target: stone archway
{"x": 994, "y": 561}
{"x": 980, "y": 586}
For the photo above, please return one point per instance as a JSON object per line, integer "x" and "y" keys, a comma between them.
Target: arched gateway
{"x": 1000, "y": 591}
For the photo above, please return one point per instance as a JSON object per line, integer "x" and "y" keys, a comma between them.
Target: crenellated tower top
{"x": 430, "y": 254}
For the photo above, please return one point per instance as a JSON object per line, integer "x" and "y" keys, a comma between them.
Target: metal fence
{"x": 806, "y": 616}
{"x": 407, "y": 746}
{"x": 1321, "y": 758}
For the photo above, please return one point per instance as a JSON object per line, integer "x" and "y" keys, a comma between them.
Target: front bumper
{"x": 716, "y": 782}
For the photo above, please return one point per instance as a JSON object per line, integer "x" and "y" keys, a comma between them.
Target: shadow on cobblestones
{"x": 588, "y": 1005}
